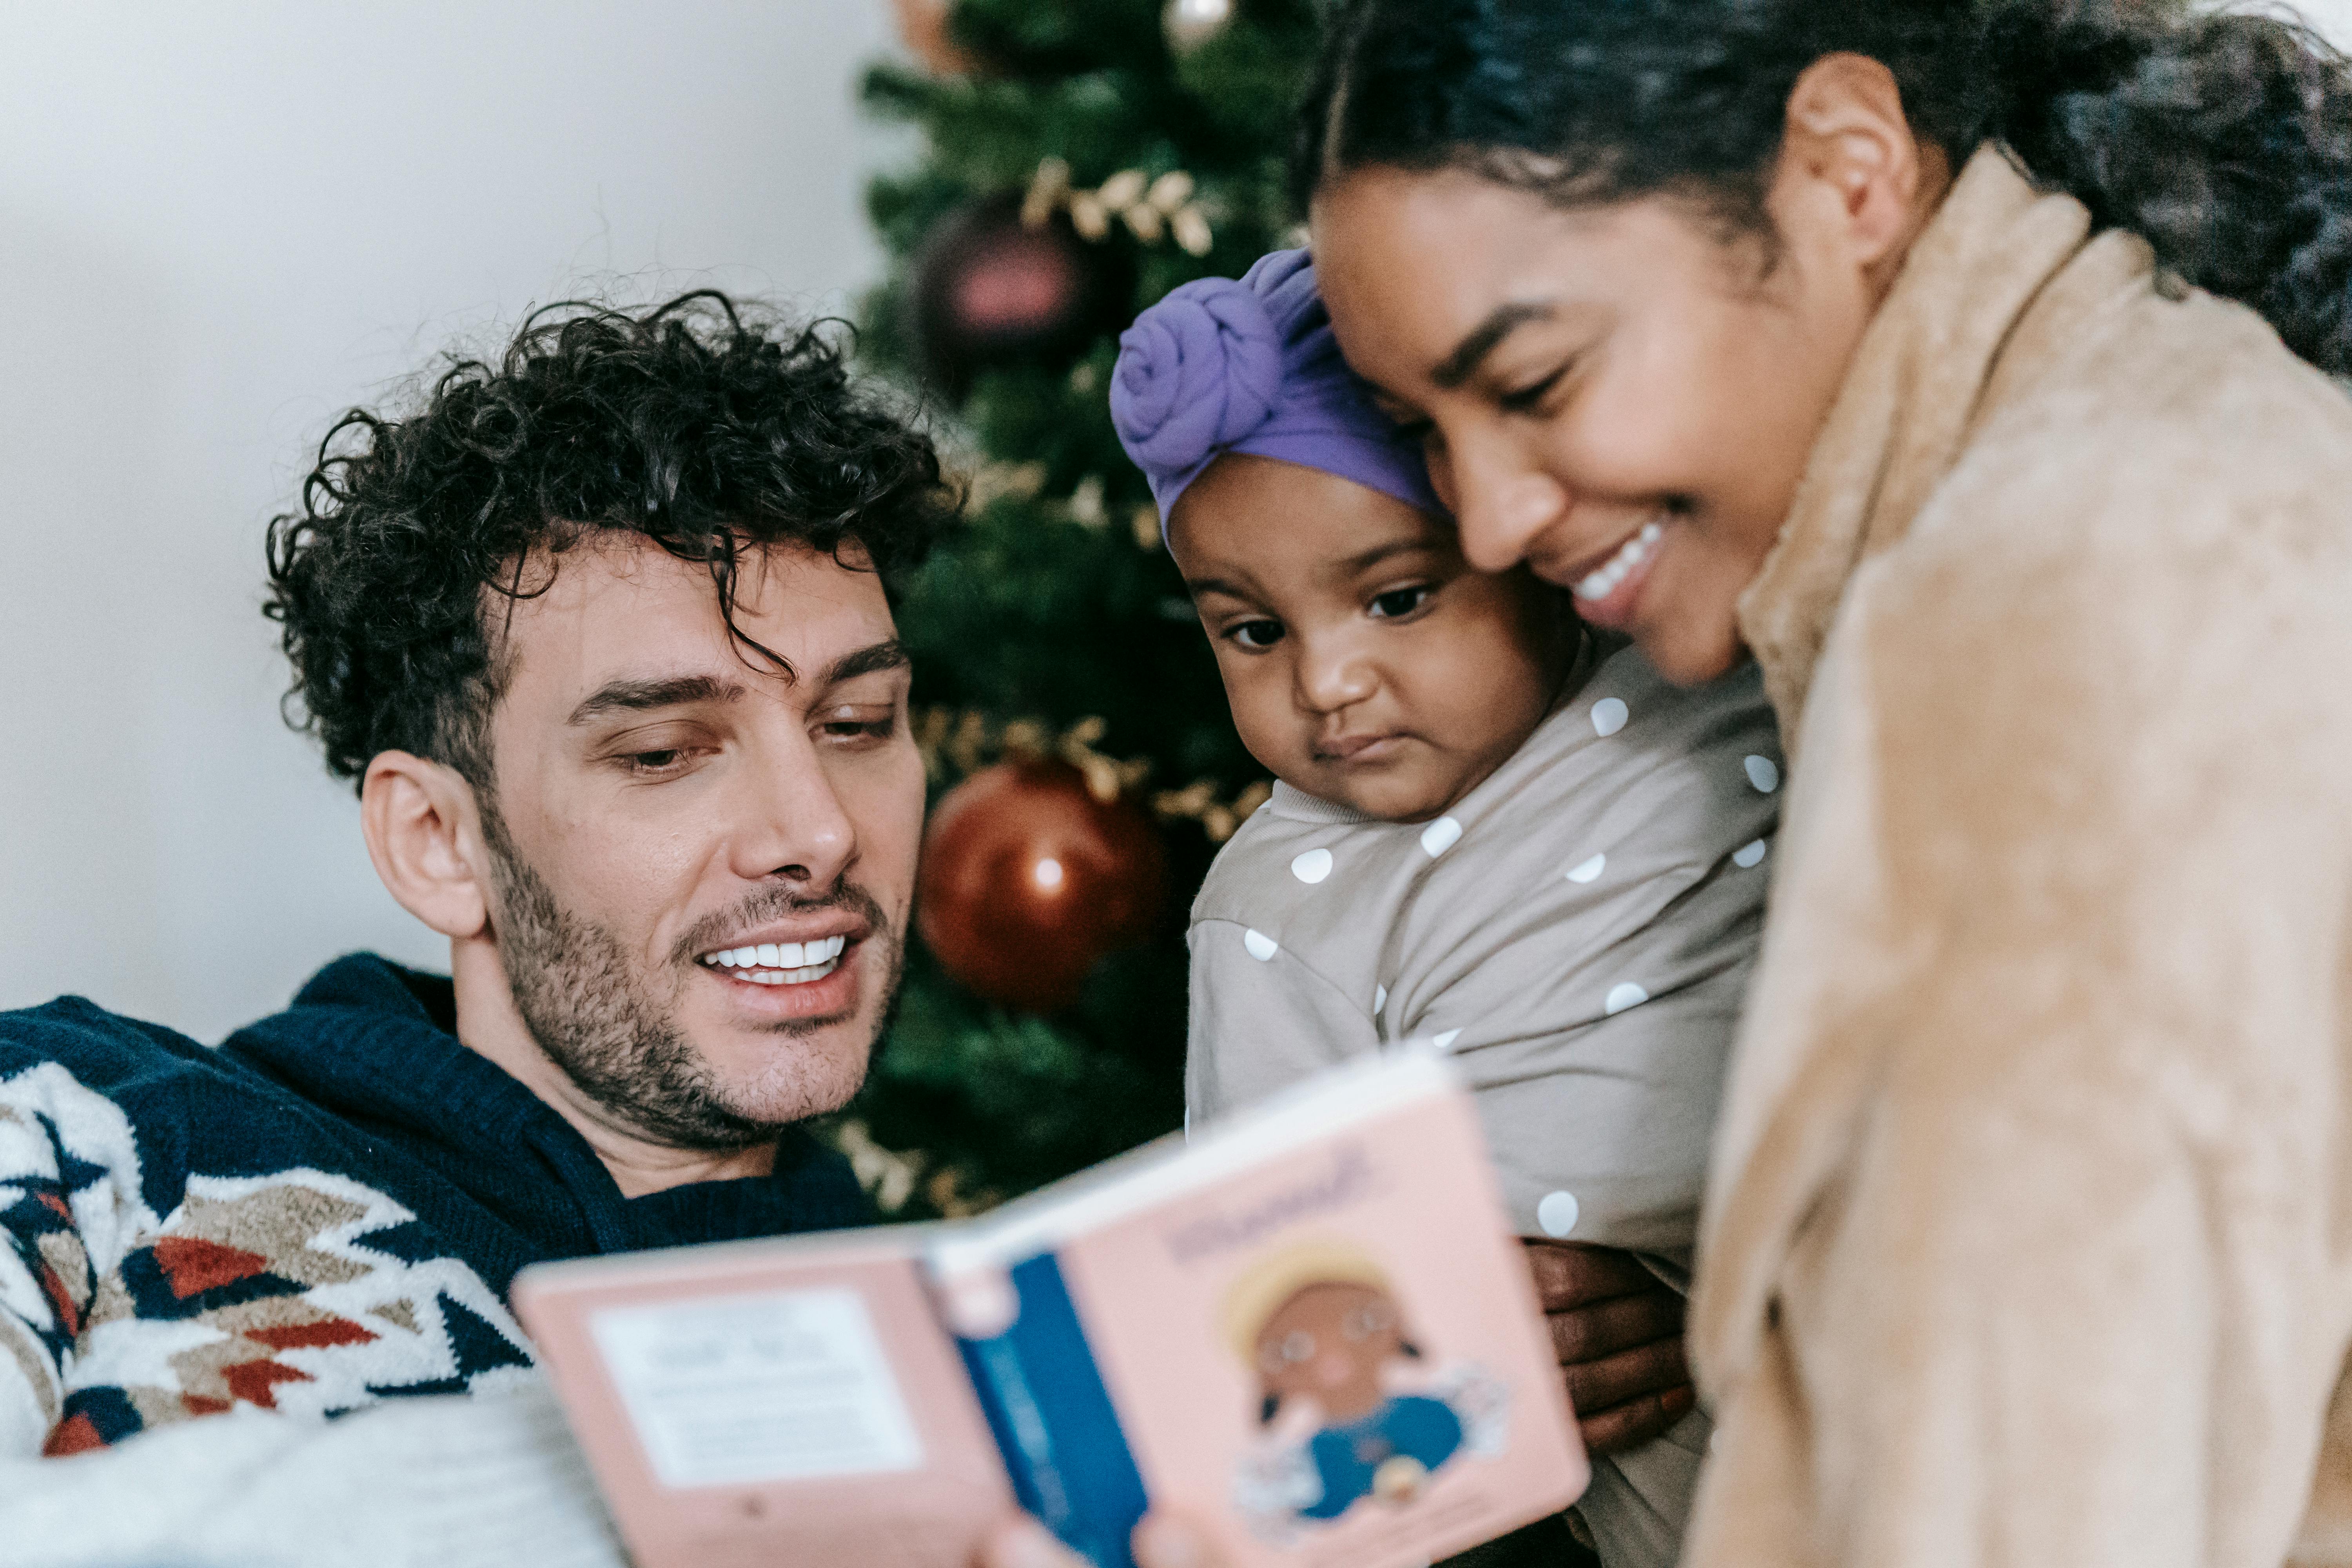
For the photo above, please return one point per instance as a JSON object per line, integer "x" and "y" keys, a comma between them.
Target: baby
{"x": 1494, "y": 830}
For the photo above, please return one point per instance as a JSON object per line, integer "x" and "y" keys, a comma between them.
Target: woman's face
{"x": 1621, "y": 397}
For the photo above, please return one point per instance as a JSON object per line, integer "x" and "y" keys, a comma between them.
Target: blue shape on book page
{"x": 779, "y": 1385}
{"x": 1053, "y": 1419}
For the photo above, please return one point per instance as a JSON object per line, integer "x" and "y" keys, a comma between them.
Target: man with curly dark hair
{"x": 602, "y": 635}
{"x": 601, "y": 629}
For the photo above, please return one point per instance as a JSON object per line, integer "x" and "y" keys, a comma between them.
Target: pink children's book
{"x": 1309, "y": 1330}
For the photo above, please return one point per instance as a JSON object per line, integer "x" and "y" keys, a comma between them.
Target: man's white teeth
{"x": 782, "y": 962}
{"x": 1618, "y": 567}
{"x": 788, "y": 976}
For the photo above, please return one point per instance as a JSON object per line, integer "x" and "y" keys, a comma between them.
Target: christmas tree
{"x": 1082, "y": 158}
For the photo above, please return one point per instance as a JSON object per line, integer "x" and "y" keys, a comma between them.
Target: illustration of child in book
{"x": 1350, "y": 1406}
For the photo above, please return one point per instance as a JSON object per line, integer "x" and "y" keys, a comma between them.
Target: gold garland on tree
{"x": 959, "y": 742}
{"x": 1153, "y": 210}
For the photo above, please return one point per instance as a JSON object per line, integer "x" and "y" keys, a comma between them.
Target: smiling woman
{"x": 1603, "y": 292}
{"x": 1942, "y": 358}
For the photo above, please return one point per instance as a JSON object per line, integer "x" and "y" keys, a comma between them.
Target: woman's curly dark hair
{"x": 699, "y": 425}
{"x": 2224, "y": 139}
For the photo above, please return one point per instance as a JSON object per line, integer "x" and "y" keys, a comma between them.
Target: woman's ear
{"x": 423, "y": 834}
{"x": 1850, "y": 163}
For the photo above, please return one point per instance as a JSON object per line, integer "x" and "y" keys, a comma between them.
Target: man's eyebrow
{"x": 1484, "y": 340}
{"x": 642, "y": 696}
{"x": 880, "y": 655}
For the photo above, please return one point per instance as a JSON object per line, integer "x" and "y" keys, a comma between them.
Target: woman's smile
{"x": 1606, "y": 595}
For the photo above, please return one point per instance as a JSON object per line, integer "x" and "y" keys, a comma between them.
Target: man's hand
{"x": 1618, "y": 1331}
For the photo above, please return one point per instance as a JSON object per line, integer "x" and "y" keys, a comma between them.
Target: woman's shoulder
{"x": 2158, "y": 528}
{"x": 2166, "y": 472}
{"x": 2172, "y": 424}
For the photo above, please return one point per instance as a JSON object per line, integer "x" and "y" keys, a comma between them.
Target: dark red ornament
{"x": 1028, "y": 880}
{"x": 992, "y": 291}
{"x": 923, "y": 24}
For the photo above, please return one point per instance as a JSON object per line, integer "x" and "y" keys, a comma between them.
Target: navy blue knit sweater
{"x": 325, "y": 1211}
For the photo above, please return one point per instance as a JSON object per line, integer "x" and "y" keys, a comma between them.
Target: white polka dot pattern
{"x": 1749, "y": 856}
{"x": 1312, "y": 867}
{"x": 1380, "y": 1000}
{"x": 1440, "y": 836}
{"x": 1261, "y": 946}
{"x": 1608, "y": 716}
{"x": 1621, "y": 996}
{"x": 1445, "y": 1041}
{"x": 1764, "y": 773}
{"x": 1589, "y": 870}
{"x": 1557, "y": 1213}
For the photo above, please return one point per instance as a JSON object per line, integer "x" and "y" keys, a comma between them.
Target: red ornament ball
{"x": 1028, "y": 879}
{"x": 923, "y": 24}
{"x": 990, "y": 291}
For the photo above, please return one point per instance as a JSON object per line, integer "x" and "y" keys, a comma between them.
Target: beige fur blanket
{"x": 2029, "y": 1239}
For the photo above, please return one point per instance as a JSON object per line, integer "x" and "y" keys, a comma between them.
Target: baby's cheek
{"x": 1269, "y": 724}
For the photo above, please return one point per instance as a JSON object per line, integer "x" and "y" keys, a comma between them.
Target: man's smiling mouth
{"x": 779, "y": 963}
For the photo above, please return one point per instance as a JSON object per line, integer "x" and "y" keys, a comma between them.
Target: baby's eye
{"x": 1256, "y": 635}
{"x": 1400, "y": 601}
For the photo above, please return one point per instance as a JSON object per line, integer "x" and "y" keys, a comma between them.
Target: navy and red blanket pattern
{"x": 325, "y": 1211}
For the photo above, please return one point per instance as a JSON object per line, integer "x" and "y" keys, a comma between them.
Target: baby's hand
{"x": 1618, "y": 1331}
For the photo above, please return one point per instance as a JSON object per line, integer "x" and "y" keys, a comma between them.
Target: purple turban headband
{"x": 1218, "y": 366}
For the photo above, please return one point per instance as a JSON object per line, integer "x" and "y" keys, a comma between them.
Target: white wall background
{"x": 220, "y": 225}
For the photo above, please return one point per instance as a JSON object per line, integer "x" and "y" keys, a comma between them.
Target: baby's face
{"x": 1366, "y": 662}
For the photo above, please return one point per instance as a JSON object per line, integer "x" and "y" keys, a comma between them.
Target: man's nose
{"x": 792, "y": 824}
{"x": 1334, "y": 673}
{"x": 1501, "y": 503}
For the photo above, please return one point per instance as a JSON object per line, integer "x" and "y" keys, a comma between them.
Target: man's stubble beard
{"x": 595, "y": 1017}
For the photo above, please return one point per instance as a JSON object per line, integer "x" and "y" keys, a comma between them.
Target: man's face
{"x": 703, "y": 865}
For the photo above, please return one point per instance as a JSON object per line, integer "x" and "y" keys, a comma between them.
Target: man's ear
{"x": 1850, "y": 146}
{"x": 423, "y": 833}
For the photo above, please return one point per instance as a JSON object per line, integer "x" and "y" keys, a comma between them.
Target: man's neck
{"x": 490, "y": 1024}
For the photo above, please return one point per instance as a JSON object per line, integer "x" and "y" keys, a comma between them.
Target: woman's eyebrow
{"x": 1484, "y": 339}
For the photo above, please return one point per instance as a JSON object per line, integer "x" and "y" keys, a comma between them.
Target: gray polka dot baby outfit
{"x": 1577, "y": 933}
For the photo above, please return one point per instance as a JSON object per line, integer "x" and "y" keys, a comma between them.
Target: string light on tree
{"x": 1188, "y": 24}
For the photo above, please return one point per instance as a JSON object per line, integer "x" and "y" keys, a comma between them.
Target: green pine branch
{"x": 1044, "y": 605}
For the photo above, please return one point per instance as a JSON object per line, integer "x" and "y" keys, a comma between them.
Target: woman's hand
{"x": 1618, "y": 1331}
{"x": 1160, "y": 1542}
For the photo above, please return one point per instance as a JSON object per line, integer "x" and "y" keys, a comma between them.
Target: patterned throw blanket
{"x": 324, "y": 1212}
